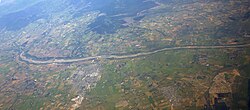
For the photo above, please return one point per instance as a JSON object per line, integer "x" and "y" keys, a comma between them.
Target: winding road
{"x": 30, "y": 60}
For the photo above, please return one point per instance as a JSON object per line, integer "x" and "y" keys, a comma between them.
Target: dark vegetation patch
{"x": 115, "y": 12}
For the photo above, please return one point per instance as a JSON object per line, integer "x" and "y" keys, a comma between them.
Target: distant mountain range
{"x": 15, "y": 14}
{"x": 10, "y": 6}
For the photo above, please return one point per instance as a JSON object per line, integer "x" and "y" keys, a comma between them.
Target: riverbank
{"x": 30, "y": 60}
